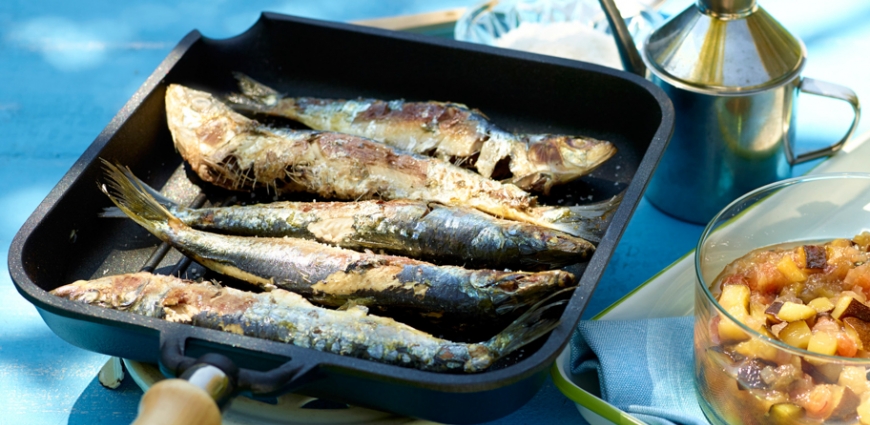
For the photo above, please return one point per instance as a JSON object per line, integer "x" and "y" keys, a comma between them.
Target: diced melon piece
{"x": 855, "y": 378}
{"x": 757, "y": 317}
{"x": 777, "y": 328}
{"x": 821, "y": 304}
{"x": 863, "y": 240}
{"x": 785, "y": 413}
{"x": 792, "y": 312}
{"x": 730, "y": 331}
{"x": 823, "y": 343}
{"x": 797, "y": 334}
{"x": 769, "y": 398}
{"x": 734, "y": 296}
{"x": 735, "y": 300}
{"x": 755, "y": 347}
{"x": 841, "y": 243}
{"x": 790, "y": 270}
{"x": 864, "y": 412}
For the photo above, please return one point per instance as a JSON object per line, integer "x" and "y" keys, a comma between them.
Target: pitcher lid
{"x": 724, "y": 46}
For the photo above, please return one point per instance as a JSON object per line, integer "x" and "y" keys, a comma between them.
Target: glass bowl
{"x": 743, "y": 373}
{"x": 573, "y": 29}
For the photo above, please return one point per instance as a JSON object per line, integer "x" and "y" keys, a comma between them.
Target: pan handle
{"x": 191, "y": 400}
{"x": 288, "y": 377}
{"x": 208, "y": 383}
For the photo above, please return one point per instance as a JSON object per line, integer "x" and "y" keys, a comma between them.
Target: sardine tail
{"x": 115, "y": 212}
{"x": 528, "y": 327}
{"x": 133, "y": 199}
{"x": 588, "y": 221}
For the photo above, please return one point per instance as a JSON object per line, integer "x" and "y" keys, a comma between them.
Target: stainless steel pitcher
{"x": 733, "y": 75}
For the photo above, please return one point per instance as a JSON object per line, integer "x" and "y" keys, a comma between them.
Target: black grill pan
{"x": 64, "y": 240}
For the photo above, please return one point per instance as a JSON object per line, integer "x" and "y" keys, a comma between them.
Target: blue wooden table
{"x": 67, "y": 67}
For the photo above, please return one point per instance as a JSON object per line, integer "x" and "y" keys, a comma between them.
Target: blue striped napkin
{"x": 645, "y": 367}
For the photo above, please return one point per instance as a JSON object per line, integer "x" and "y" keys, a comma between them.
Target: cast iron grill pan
{"x": 64, "y": 240}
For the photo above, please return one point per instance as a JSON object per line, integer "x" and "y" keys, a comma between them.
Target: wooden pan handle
{"x": 177, "y": 402}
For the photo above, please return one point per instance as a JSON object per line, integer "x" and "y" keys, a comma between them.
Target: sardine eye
{"x": 199, "y": 104}
{"x": 91, "y": 296}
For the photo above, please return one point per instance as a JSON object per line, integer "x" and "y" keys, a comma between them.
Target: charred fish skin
{"x": 226, "y": 149}
{"x": 446, "y": 235}
{"x": 287, "y": 317}
{"x": 449, "y": 131}
{"x": 335, "y": 276}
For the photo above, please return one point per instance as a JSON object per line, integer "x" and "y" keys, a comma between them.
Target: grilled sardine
{"x": 429, "y": 231}
{"x": 226, "y": 149}
{"x": 335, "y": 276}
{"x": 287, "y": 317}
{"x": 449, "y": 131}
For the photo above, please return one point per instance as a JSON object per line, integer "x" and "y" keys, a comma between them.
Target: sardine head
{"x": 571, "y": 155}
{"x": 118, "y": 292}
{"x": 568, "y": 157}
{"x": 586, "y": 152}
{"x": 200, "y": 123}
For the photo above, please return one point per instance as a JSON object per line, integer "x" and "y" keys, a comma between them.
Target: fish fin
{"x": 535, "y": 182}
{"x": 134, "y": 200}
{"x": 357, "y": 303}
{"x": 530, "y": 326}
{"x": 587, "y": 221}
{"x": 254, "y": 96}
{"x": 253, "y": 88}
{"x": 242, "y": 103}
{"x": 600, "y": 207}
{"x": 115, "y": 212}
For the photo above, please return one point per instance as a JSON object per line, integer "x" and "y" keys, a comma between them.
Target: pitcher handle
{"x": 834, "y": 91}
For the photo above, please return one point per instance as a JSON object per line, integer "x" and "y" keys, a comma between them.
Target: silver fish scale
{"x": 351, "y": 334}
{"x": 349, "y": 109}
